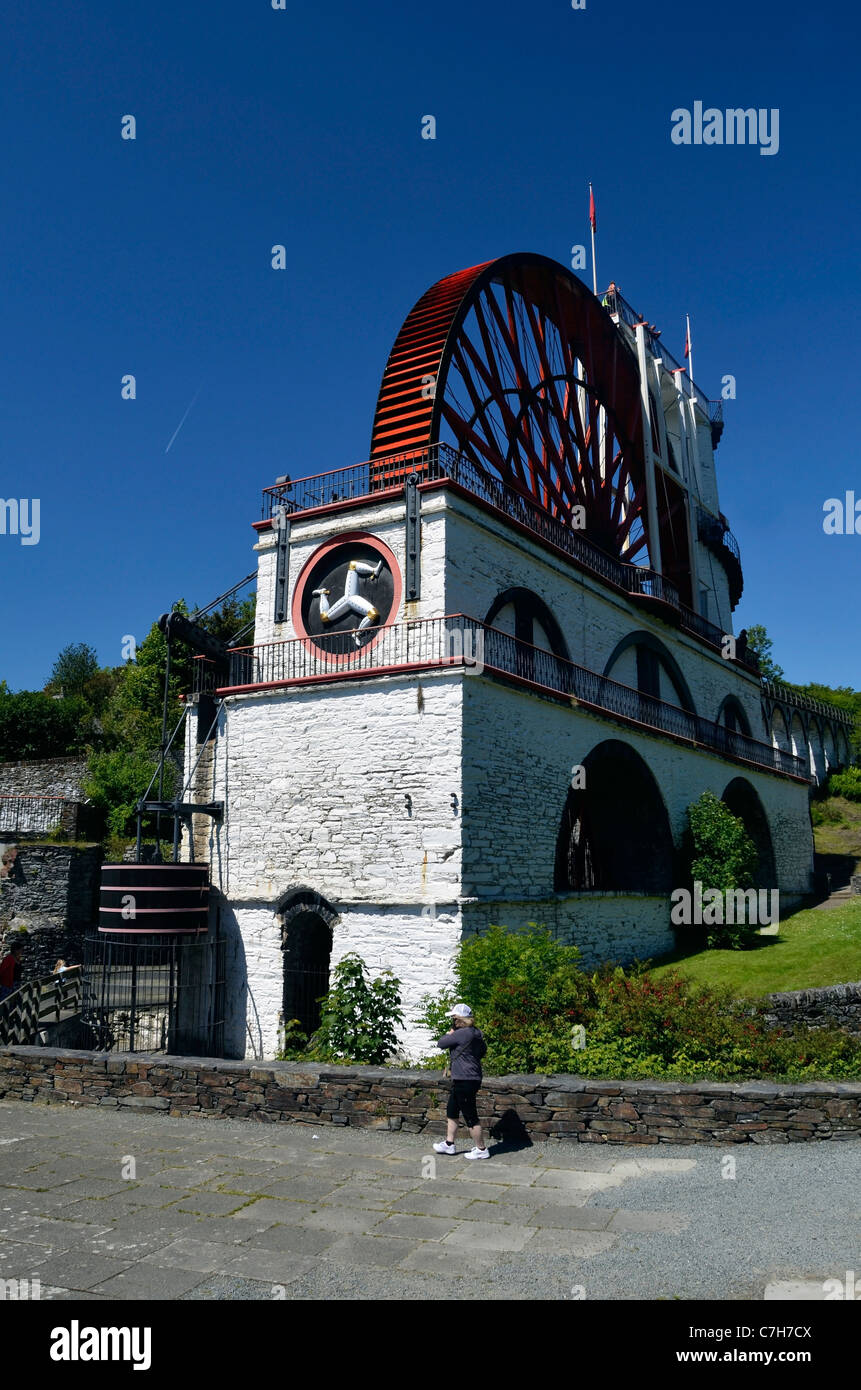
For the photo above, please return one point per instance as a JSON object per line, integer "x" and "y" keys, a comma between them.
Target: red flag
{"x": 592, "y": 218}
{"x": 688, "y": 341}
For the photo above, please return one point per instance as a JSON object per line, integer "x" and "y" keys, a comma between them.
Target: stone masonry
{"x": 540, "y": 1107}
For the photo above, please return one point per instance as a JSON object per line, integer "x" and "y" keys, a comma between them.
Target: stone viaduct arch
{"x": 812, "y": 729}
{"x": 743, "y": 800}
{"x": 615, "y": 833}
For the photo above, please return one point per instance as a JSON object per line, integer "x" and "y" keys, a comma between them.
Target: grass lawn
{"x": 814, "y": 947}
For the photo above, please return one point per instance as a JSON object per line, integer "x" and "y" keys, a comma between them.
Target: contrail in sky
{"x": 182, "y": 421}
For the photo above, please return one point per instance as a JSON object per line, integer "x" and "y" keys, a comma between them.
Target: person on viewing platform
{"x": 466, "y": 1046}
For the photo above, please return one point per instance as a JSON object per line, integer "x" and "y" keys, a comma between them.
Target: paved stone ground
{"x": 233, "y": 1210}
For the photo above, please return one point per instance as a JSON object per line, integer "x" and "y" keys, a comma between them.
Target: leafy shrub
{"x": 529, "y": 992}
{"x": 827, "y": 813}
{"x": 847, "y": 783}
{"x": 360, "y": 1016}
{"x": 719, "y": 853}
{"x": 32, "y": 725}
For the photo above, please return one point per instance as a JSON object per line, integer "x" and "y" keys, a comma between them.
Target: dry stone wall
{"x": 44, "y": 777}
{"x": 511, "y": 1107}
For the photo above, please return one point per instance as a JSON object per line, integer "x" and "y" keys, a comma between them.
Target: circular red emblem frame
{"x": 347, "y": 538}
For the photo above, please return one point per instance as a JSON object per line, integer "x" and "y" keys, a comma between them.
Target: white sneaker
{"x": 477, "y": 1153}
{"x": 444, "y": 1147}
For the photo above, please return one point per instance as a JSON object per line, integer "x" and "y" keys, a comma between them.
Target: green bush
{"x": 847, "y": 783}
{"x": 529, "y": 992}
{"x": 719, "y": 853}
{"x": 33, "y": 725}
{"x": 360, "y": 1017}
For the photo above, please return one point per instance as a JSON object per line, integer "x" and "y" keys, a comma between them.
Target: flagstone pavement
{"x": 127, "y": 1206}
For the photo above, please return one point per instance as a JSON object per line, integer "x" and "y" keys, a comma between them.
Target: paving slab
{"x": 73, "y": 1269}
{"x": 415, "y": 1227}
{"x": 484, "y": 1235}
{"x": 572, "y": 1218}
{"x": 60, "y": 1235}
{"x": 292, "y": 1240}
{"x": 555, "y": 1241}
{"x": 144, "y": 1280}
{"x": 434, "y": 1258}
{"x": 276, "y": 1266}
{"x": 212, "y": 1203}
{"x": 425, "y": 1202}
{"x": 266, "y": 1211}
{"x": 342, "y": 1219}
{"x": 202, "y": 1255}
{"x": 367, "y": 1250}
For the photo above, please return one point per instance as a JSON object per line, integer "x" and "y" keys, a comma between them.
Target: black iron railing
{"x": 460, "y": 641}
{"x": 440, "y": 462}
{"x": 166, "y": 997}
{"x": 715, "y": 532}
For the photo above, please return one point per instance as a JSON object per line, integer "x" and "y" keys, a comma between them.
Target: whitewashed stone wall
{"x": 603, "y": 926}
{"x": 484, "y": 557}
{"x": 316, "y": 784}
{"x": 386, "y": 522}
{"x": 519, "y": 751}
{"x": 421, "y": 809}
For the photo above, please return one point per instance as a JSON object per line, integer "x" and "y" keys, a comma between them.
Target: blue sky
{"x": 302, "y": 127}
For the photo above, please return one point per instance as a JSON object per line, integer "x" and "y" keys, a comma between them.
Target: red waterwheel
{"x": 516, "y": 364}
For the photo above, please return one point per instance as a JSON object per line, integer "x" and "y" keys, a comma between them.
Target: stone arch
{"x": 743, "y": 800}
{"x": 816, "y": 749}
{"x": 842, "y": 742}
{"x": 307, "y": 922}
{"x": 615, "y": 832}
{"x": 829, "y": 744}
{"x": 733, "y": 715}
{"x": 531, "y": 620}
{"x": 652, "y": 657}
{"x": 798, "y": 736}
{"x": 779, "y": 730}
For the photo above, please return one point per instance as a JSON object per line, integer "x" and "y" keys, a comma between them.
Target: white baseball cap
{"x": 461, "y": 1011}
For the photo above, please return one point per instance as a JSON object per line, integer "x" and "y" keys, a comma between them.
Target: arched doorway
{"x": 307, "y": 920}
{"x": 742, "y": 799}
{"x": 615, "y": 832}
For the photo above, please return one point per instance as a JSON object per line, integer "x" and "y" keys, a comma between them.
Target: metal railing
{"x": 615, "y": 303}
{"x": 22, "y": 814}
{"x": 440, "y": 462}
{"x": 460, "y": 641}
{"x": 25, "y": 1013}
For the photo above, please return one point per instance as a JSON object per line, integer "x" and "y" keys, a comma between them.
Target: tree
{"x": 74, "y": 667}
{"x": 759, "y": 642}
{"x": 32, "y": 725}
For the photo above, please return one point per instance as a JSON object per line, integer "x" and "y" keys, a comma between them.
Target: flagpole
{"x": 690, "y": 354}
{"x": 592, "y": 224}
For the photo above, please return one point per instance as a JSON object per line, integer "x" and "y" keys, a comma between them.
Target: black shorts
{"x": 461, "y": 1101}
